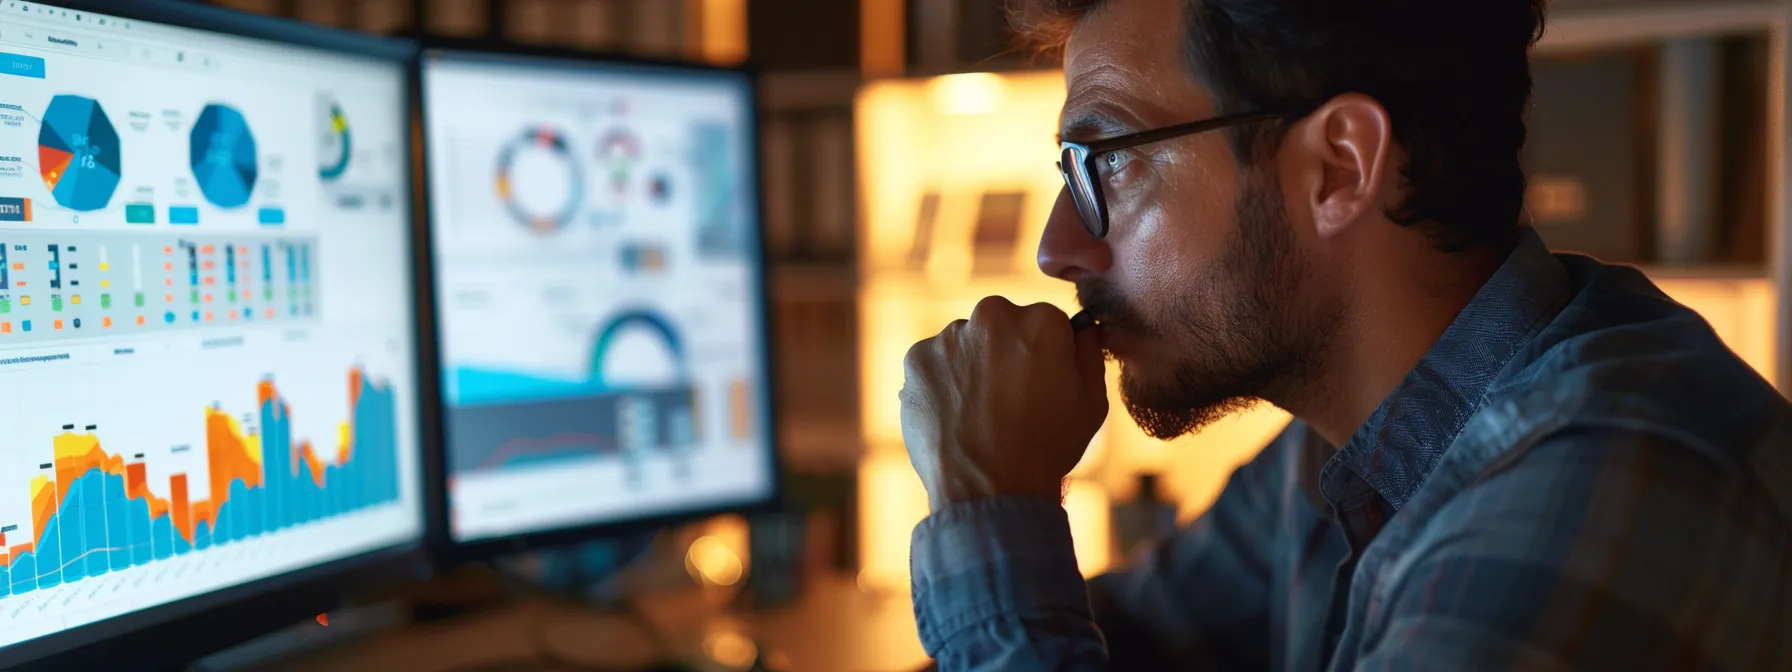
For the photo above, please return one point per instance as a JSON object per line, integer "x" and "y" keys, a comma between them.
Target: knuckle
{"x": 990, "y": 306}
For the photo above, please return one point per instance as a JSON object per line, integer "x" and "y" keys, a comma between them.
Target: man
{"x": 1502, "y": 458}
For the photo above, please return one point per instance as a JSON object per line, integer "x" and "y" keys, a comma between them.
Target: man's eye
{"x": 1113, "y": 161}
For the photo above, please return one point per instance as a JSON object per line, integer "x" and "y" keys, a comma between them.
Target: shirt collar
{"x": 1404, "y": 438}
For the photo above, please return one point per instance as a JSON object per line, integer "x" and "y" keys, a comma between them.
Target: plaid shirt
{"x": 1578, "y": 475}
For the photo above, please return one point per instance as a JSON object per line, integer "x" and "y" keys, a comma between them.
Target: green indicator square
{"x": 139, "y": 299}
{"x": 269, "y": 294}
{"x": 139, "y": 213}
{"x": 56, "y": 303}
{"x": 232, "y": 295}
{"x": 195, "y": 296}
{"x": 105, "y": 300}
{"x": 5, "y": 306}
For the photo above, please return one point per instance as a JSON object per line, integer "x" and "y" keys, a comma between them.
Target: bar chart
{"x": 95, "y": 512}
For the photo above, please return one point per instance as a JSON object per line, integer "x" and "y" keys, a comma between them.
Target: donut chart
{"x": 542, "y": 203}
{"x": 336, "y": 143}
{"x": 77, "y": 153}
{"x": 222, "y": 152}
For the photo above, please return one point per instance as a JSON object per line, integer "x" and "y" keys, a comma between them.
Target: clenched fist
{"x": 1002, "y": 404}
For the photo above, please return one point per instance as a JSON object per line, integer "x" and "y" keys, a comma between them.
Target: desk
{"x": 834, "y": 628}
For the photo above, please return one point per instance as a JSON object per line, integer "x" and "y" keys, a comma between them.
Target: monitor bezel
{"x": 171, "y": 635}
{"x": 444, "y": 549}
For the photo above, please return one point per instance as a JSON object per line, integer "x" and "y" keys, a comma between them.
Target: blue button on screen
{"x": 20, "y": 65}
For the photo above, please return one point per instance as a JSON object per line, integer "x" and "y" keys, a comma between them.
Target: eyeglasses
{"x": 1077, "y": 161}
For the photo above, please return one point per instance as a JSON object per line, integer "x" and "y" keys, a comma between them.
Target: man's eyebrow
{"x": 1088, "y": 124}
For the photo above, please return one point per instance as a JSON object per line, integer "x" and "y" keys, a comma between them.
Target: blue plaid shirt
{"x": 1578, "y": 475}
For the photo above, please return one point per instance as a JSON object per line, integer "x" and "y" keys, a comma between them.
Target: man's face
{"x": 1200, "y": 283}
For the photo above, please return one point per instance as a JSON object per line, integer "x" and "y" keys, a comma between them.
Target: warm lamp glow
{"x": 891, "y": 503}
{"x": 1087, "y": 505}
{"x": 1741, "y": 311}
{"x": 968, "y": 93}
{"x": 710, "y": 560}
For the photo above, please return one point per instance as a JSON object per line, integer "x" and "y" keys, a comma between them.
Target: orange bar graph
{"x": 183, "y": 516}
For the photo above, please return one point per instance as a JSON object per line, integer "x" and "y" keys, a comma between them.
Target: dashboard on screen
{"x": 205, "y": 314}
{"x": 597, "y": 269}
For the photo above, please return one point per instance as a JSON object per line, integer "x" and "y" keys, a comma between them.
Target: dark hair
{"x": 1454, "y": 76}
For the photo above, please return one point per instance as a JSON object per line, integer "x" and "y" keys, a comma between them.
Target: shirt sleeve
{"x": 1594, "y": 551}
{"x": 1201, "y": 599}
{"x": 996, "y": 587}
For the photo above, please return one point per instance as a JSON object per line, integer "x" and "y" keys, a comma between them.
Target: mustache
{"x": 1103, "y": 301}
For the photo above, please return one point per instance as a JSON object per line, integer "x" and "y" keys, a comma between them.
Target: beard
{"x": 1236, "y": 334}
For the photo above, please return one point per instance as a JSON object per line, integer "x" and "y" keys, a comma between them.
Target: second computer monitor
{"x": 599, "y": 299}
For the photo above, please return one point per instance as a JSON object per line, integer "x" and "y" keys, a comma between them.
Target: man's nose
{"x": 1066, "y": 250}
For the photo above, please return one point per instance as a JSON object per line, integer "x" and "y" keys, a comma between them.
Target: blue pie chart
{"x": 77, "y": 153}
{"x": 222, "y": 151}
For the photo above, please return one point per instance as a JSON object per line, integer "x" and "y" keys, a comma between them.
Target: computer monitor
{"x": 600, "y": 295}
{"x": 207, "y": 343}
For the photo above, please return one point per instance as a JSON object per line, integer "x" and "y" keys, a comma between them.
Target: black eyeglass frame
{"x": 1090, "y": 204}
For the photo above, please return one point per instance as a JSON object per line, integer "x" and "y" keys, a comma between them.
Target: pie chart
{"x": 77, "y": 152}
{"x": 222, "y": 152}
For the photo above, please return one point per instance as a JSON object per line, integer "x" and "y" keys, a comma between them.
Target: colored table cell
{"x": 56, "y": 303}
{"x": 105, "y": 300}
{"x": 15, "y": 209}
{"x": 5, "y": 306}
{"x": 183, "y": 214}
{"x": 139, "y": 299}
{"x": 272, "y": 216}
{"x": 139, "y": 213}
{"x": 5, "y": 327}
{"x": 25, "y": 325}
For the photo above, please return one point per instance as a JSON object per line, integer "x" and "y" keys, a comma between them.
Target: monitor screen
{"x": 206, "y": 315}
{"x": 598, "y": 284}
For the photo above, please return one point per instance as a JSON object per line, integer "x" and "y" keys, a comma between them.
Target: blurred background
{"x": 908, "y": 149}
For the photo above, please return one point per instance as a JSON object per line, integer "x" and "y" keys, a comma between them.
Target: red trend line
{"x": 520, "y": 447}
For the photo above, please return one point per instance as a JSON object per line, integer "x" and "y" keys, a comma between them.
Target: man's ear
{"x": 1344, "y": 154}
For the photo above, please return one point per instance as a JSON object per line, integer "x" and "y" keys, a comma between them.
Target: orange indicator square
{"x": 270, "y": 312}
{"x": 139, "y": 320}
{"x": 18, "y": 267}
{"x": 106, "y": 323}
{"x": 208, "y": 316}
{"x": 57, "y": 324}
{"x": 170, "y": 298}
{"x": 208, "y": 298}
{"x": 168, "y": 250}
{"x": 168, "y": 266}
{"x": 232, "y": 315}
{"x": 5, "y": 327}
{"x": 170, "y": 282}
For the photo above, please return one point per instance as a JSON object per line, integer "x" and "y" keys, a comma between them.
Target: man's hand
{"x": 1002, "y": 404}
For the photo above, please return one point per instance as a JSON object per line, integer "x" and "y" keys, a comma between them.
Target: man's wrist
{"x": 960, "y": 492}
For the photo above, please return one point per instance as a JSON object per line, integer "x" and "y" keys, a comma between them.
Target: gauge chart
{"x": 335, "y": 143}
{"x": 222, "y": 151}
{"x": 77, "y": 152}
